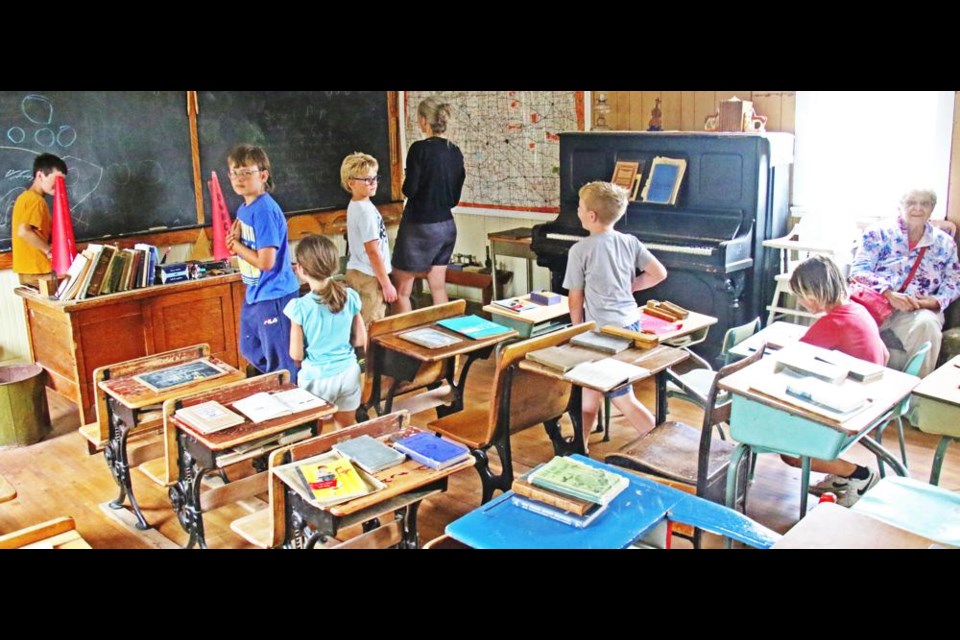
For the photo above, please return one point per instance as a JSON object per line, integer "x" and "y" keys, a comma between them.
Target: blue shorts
{"x": 265, "y": 335}
{"x": 422, "y": 246}
{"x": 635, "y": 326}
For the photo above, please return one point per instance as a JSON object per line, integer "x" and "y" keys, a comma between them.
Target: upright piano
{"x": 734, "y": 195}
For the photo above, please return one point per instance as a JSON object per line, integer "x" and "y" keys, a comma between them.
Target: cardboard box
{"x": 734, "y": 113}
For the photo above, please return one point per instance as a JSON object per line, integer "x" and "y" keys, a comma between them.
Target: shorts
{"x": 422, "y": 246}
{"x": 635, "y": 326}
{"x": 372, "y": 305}
{"x": 341, "y": 389}
{"x": 265, "y": 335}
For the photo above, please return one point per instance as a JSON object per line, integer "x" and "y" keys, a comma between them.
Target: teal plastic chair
{"x": 912, "y": 368}
{"x": 699, "y": 380}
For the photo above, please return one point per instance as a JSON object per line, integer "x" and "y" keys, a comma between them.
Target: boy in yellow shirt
{"x": 32, "y": 221}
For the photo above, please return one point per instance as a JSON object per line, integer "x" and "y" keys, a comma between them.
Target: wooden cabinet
{"x": 71, "y": 339}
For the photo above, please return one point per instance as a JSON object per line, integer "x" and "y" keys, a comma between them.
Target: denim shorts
{"x": 422, "y": 246}
{"x": 635, "y": 326}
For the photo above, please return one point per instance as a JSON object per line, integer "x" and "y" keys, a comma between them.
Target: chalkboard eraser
{"x": 160, "y": 228}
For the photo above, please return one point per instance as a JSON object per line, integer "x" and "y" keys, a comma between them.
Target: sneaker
{"x": 830, "y": 483}
{"x": 856, "y": 489}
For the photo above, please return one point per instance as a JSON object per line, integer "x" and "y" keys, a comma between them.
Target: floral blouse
{"x": 884, "y": 260}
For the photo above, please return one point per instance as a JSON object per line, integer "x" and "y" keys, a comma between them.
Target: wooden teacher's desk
{"x": 129, "y": 403}
{"x": 198, "y": 454}
{"x": 766, "y": 424}
{"x": 71, "y": 339}
{"x": 656, "y": 360}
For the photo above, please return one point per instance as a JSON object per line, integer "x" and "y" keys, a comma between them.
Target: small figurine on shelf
{"x": 655, "y": 119}
{"x": 601, "y": 109}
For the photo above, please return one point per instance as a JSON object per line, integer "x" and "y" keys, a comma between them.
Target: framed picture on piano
{"x": 625, "y": 173}
{"x": 663, "y": 183}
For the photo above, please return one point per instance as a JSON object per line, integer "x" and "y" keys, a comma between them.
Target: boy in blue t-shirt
{"x": 259, "y": 238}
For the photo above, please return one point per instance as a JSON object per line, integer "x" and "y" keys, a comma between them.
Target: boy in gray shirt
{"x": 601, "y": 281}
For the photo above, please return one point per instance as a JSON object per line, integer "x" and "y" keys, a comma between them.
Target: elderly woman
{"x": 886, "y": 256}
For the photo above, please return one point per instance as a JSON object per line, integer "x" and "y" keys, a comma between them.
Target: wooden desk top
{"x": 403, "y": 478}
{"x": 248, "y": 430}
{"x": 885, "y": 393}
{"x": 7, "y": 492}
{"x": 942, "y": 384}
{"x": 520, "y": 235}
{"x": 655, "y": 360}
{"x": 542, "y": 313}
{"x": 134, "y": 394}
{"x": 394, "y": 342}
{"x": 779, "y": 334}
{"x": 691, "y": 324}
{"x": 134, "y": 294}
{"x": 830, "y": 526}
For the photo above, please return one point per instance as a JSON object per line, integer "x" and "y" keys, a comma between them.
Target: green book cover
{"x": 580, "y": 480}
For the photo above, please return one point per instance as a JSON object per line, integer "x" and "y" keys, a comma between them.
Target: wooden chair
{"x": 519, "y": 399}
{"x": 426, "y": 375}
{"x": 267, "y": 528}
{"x": 59, "y": 533}
{"x": 97, "y": 434}
{"x": 678, "y": 453}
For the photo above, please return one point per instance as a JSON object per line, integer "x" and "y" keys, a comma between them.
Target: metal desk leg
{"x": 884, "y": 455}
{"x": 115, "y": 453}
{"x": 185, "y": 498}
{"x": 938, "y": 459}
{"x": 804, "y": 484}
{"x": 408, "y": 517}
{"x": 661, "y": 381}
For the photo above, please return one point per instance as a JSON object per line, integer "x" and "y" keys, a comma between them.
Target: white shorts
{"x": 341, "y": 389}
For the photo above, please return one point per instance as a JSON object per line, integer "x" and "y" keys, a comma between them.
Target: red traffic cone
{"x": 220, "y": 219}
{"x": 63, "y": 245}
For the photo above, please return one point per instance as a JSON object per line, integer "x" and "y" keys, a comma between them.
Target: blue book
{"x": 474, "y": 327}
{"x": 559, "y": 515}
{"x": 431, "y": 450}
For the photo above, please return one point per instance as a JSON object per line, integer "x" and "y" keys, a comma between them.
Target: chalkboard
{"x": 128, "y": 157}
{"x": 306, "y": 135}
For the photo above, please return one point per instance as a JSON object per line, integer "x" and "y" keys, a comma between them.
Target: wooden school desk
{"x": 130, "y": 402}
{"x": 657, "y": 360}
{"x": 400, "y": 360}
{"x": 533, "y": 322}
{"x": 72, "y": 339}
{"x": 938, "y": 401}
{"x": 690, "y": 330}
{"x": 306, "y": 524}
{"x": 777, "y": 335}
{"x": 7, "y": 492}
{"x": 830, "y": 526}
{"x": 198, "y": 454}
{"x": 641, "y": 511}
{"x": 764, "y": 424}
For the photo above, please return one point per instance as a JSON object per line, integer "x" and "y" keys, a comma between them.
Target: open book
{"x": 266, "y": 406}
{"x": 606, "y": 374}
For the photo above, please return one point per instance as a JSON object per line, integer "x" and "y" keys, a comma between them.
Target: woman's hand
{"x": 901, "y": 301}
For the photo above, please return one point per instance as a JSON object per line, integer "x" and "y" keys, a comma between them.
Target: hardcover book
{"x": 572, "y": 519}
{"x": 432, "y": 451}
{"x": 857, "y": 369}
{"x": 473, "y": 327}
{"x": 369, "y": 454}
{"x": 430, "y": 338}
{"x": 208, "y": 417}
{"x": 331, "y": 479}
{"x": 807, "y": 360}
{"x": 521, "y": 486}
{"x": 606, "y": 374}
{"x": 601, "y": 342}
{"x": 562, "y": 359}
{"x": 100, "y": 270}
{"x": 580, "y": 480}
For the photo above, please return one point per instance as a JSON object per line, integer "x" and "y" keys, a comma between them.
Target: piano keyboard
{"x": 680, "y": 248}
{"x": 653, "y": 246}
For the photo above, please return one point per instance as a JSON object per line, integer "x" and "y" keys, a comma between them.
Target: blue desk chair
{"x": 912, "y": 368}
{"x": 679, "y": 453}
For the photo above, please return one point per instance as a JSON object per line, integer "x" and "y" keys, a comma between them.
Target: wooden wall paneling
{"x": 636, "y": 121}
{"x": 619, "y": 113}
{"x": 788, "y": 111}
{"x": 688, "y": 121}
{"x": 767, "y": 103}
{"x": 670, "y": 106}
{"x": 704, "y": 104}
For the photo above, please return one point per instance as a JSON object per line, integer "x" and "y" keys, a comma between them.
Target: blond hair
{"x": 818, "y": 278}
{"x": 355, "y": 164}
{"x": 436, "y": 112}
{"x": 319, "y": 259}
{"x": 244, "y": 154}
{"x": 607, "y": 200}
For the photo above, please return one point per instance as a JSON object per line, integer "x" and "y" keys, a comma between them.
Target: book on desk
{"x": 370, "y": 454}
{"x": 209, "y": 417}
{"x": 430, "y": 338}
{"x": 331, "y": 479}
{"x": 605, "y": 374}
{"x": 266, "y": 406}
{"x": 473, "y": 327}
{"x": 601, "y": 342}
{"x": 563, "y": 358}
{"x": 573, "y": 478}
{"x": 431, "y": 450}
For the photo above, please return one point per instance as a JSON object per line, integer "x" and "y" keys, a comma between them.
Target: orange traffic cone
{"x": 220, "y": 219}
{"x": 61, "y": 235}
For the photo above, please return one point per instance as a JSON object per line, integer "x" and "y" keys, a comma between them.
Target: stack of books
{"x": 568, "y": 491}
{"x": 102, "y": 269}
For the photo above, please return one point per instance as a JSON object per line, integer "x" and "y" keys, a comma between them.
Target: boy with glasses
{"x": 368, "y": 264}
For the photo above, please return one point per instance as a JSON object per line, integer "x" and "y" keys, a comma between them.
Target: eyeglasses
{"x": 239, "y": 174}
{"x": 368, "y": 181}
{"x": 926, "y": 204}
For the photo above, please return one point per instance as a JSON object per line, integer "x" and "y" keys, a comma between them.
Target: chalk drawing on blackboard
{"x": 38, "y": 109}
{"x": 179, "y": 375}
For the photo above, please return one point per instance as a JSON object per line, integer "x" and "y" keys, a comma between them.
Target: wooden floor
{"x": 56, "y": 477}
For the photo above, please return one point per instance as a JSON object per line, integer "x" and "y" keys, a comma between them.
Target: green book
{"x": 580, "y": 480}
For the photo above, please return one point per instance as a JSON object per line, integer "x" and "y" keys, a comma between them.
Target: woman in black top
{"x": 432, "y": 185}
